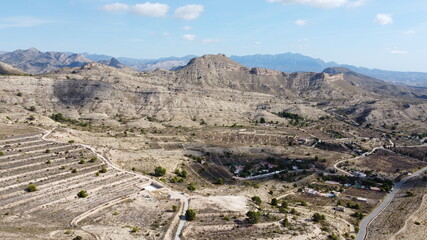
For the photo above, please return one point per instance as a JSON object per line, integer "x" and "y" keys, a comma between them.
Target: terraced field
{"x": 59, "y": 171}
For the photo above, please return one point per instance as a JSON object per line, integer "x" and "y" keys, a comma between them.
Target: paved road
{"x": 182, "y": 217}
{"x": 371, "y": 217}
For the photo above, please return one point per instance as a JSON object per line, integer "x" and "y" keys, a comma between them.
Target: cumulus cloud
{"x": 150, "y": 9}
{"x": 186, "y": 28}
{"x": 21, "y": 21}
{"x": 210, "y": 40}
{"x": 189, "y": 12}
{"x": 115, "y": 7}
{"x": 145, "y": 9}
{"x": 383, "y": 19}
{"x": 189, "y": 37}
{"x": 301, "y": 22}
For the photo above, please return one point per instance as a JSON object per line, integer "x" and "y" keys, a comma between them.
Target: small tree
{"x": 1, "y": 153}
{"x": 262, "y": 120}
{"x": 93, "y": 159}
{"x": 31, "y": 188}
{"x": 183, "y": 174}
{"x": 159, "y": 171}
{"x": 82, "y": 194}
{"x": 190, "y": 215}
{"x": 103, "y": 170}
{"x": 191, "y": 187}
{"x": 284, "y": 204}
{"x": 253, "y": 217}
{"x": 274, "y": 201}
{"x": 174, "y": 208}
{"x": 256, "y": 200}
{"x": 219, "y": 181}
{"x": 317, "y": 217}
{"x": 286, "y": 222}
{"x": 78, "y": 238}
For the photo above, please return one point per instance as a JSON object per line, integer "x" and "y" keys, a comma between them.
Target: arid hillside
{"x": 213, "y": 88}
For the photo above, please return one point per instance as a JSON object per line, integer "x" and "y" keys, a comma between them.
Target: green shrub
{"x": 31, "y": 188}
{"x": 317, "y": 217}
{"x": 174, "y": 208}
{"x": 190, "y": 215}
{"x": 103, "y": 170}
{"x": 82, "y": 194}
{"x": 159, "y": 171}
{"x": 253, "y": 217}
{"x": 274, "y": 201}
{"x": 191, "y": 187}
{"x": 256, "y": 200}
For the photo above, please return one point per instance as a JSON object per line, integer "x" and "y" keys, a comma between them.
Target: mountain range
{"x": 35, "y": 62}
{"x": 212, "y": 88}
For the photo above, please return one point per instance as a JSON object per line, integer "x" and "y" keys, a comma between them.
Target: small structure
{"x": 340, "y": 209}
{"x": 359, "y": 174}
{"x": 362, "y": 199}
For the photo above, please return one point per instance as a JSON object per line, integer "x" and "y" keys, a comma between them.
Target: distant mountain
{"x": 35, "y": 62}
{"x": 113, "y": 62}
{"x": 153, "y": 64}
{"x": 292, "y": 62}
{"x": 287, "y": 62}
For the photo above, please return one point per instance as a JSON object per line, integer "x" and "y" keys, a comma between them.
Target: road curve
{"x": 363, "y": 227}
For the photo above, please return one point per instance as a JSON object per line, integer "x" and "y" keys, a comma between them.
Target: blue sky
{"x": 385, "y": 34}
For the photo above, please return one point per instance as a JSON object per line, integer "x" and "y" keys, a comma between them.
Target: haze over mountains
{"x": 35, "y": 62}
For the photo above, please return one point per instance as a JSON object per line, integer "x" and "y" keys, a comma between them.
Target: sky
{"x": 384, "y": 34}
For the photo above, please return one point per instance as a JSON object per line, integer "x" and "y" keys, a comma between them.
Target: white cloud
{"x": 314, "y": 3}
{"x": 398, "y": 52}
{"x": 186, "y": 28}
{"x": 150, "y": 9}
{"x": 383, "y": 19}
{"x": 115, "y": 7}
{"x": 301, "y": 22}
{"x": 356, "y": 4}
{"x": 21, "y": 21}
{"x": 166, "y": 34}
{"x": 410, "y": 32}
{"x": 189, "y": 37}
{"x": 210, "y": 40}
{"x": 257, "y": 43}
{"x": 189, "y": 12}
